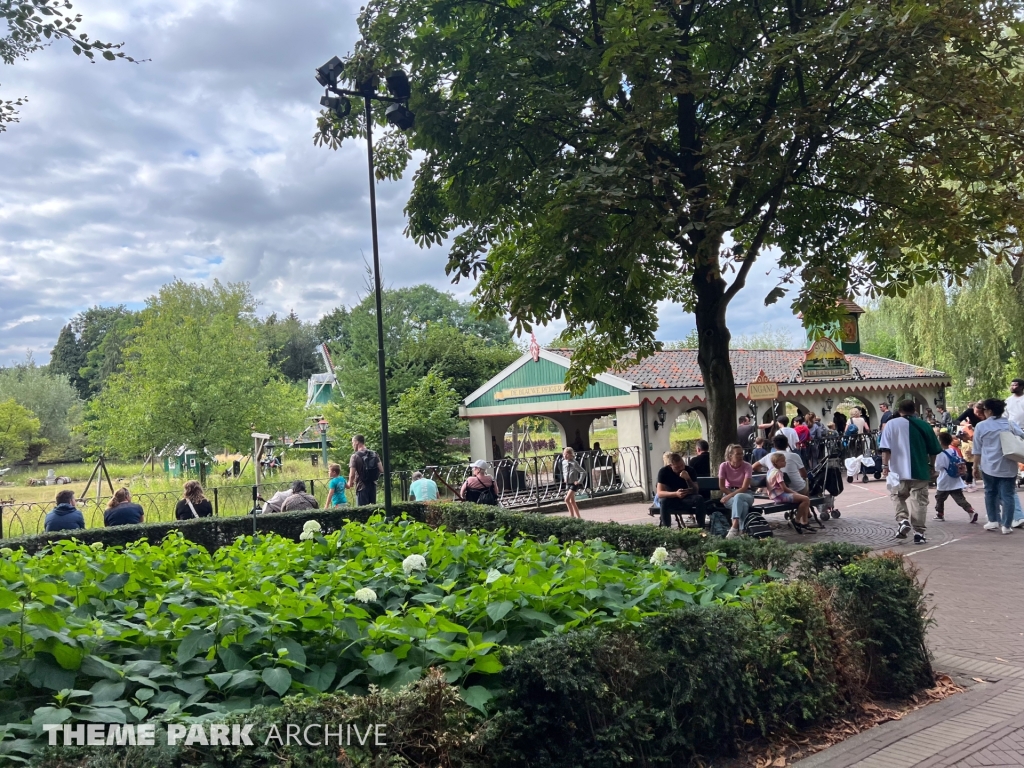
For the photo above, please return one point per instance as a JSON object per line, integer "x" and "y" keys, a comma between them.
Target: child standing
{"x": 759, "y": 451}
{"x": 336, "y": 487}
{"x": 950, "y": 483}
{"x": 572, "y": 476}
{"x": 779, "y": 491}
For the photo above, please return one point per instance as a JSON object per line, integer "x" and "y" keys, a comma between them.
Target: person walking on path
{"x": 883, "y": 408}
{"x": 906, "y": 445}
{"x": 364, "y": 468}
{"x": 336, "y": 487}
{"x": 998, "y": 472}
{"x": 1015, "y": 413}
{"x": 950, "y": 483}
{"x": 734, "y": 482}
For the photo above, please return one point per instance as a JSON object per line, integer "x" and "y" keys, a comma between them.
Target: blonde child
{"x": 780, "y": 492}
{"x": 572, "y": 476}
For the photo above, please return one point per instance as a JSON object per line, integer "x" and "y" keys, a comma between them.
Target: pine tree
{"x": 67, "y": 358}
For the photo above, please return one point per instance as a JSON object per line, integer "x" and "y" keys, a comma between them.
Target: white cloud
{"x": 199, "y": 164}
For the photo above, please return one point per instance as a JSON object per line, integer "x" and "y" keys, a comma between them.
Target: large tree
{"x": 18, "y": 428}
{"x": 194, "y": 374}
{"x": 590, "y": 159}
{"x": 52, "y": 400}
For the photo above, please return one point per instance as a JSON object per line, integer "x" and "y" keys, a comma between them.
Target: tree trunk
{"x": 713, "y": 359}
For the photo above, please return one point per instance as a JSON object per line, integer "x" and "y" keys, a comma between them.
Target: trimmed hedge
{"x": 691, "y": 545}
{"x": 679, "y": 688}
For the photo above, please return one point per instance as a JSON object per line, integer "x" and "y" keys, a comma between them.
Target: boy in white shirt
{"x": 948, "y": 485}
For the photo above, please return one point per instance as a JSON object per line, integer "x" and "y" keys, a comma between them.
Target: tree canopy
{"x": 53, "y": 401}
{"x": 588, "y": 160}
{"x": 194, "y": 374}
{"x": 974, "y": 332}
{"x": 18, "y": 428}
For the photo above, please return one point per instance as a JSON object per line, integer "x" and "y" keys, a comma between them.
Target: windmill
{"x": 321, "y": 386}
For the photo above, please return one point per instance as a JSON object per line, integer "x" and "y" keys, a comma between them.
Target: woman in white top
{"x": 950, "y": 483}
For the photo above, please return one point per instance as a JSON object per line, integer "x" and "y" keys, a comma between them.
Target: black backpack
{"x": 756, "y": 526}
{"x": 370, "y": 472}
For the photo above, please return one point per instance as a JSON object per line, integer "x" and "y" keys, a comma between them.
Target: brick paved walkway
{"x": 975, "y": 580}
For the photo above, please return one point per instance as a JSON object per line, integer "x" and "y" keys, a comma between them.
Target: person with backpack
{"x": 950, "y": 483}
{"x": 364, "y": 469}
{"x": 479, "y": 487}
{"x": 997, "y": 470}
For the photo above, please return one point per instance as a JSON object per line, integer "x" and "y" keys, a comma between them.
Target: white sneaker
{"x": 991, "y": 526}
{"x": 734, "y": 533}
{"x": 1007, "y": 530}
{"x": 1017, "y": 523}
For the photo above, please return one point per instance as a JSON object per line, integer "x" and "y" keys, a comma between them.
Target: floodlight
{"x": 398, "y": 85}
{"x": 367, "y": 85}
{"x": 339, "y": 105}
{"x": 328, "y": 74}
{"x": 399, "y": 116}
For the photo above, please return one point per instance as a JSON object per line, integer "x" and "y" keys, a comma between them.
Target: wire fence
{"x": 526, "y": 481}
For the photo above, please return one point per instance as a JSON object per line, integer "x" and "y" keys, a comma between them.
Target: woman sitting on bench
{"x": 734, "y": 482}
{"x": 781, "y": 493}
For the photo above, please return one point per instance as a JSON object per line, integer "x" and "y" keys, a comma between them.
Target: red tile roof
{"x": 678, "y": 369}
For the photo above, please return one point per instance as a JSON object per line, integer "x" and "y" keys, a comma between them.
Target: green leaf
{"x": 498, "y": 611}
{"x": 42, "y": 672}
{"x": 106, "y": 691}
{"x": 383, "y": 662}
{"x": 45, "y": 715}
{"x": 278, "y": 679}
{"x": 196, "y": 641}
{"x": 477, "y": 697}
{"x": 321, "y": 677}
{"x": 94, "y": 666}
{"x": 488, "y": 665}
{"x": 114, "y": 581}
{"x": 538, "y": 616}
{"x": 140, "y": 713}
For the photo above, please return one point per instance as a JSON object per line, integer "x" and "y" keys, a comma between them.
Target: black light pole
{"x": 398, "y": 115}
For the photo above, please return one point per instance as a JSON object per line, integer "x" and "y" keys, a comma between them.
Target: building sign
{"x": 824, "y": 360}
{"x": 544, "y": 389}
{"x": 534, "y": 348}
{"x": 762, "y": 388}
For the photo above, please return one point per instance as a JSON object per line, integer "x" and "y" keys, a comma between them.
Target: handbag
{"x": 1012, "y": 447}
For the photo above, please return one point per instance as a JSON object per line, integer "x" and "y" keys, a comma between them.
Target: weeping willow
{"x": 974, "y": 331}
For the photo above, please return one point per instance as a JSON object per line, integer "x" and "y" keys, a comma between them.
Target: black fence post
{"x": 216, "y": 502}
{"x": 312, "y": 487}
{"x": 1, "y": 522}
{"x": 255, "y": 498}
{"x": 536, "y": 479}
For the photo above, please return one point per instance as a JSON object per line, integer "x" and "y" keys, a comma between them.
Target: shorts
{"x": 574, "y": 487}
{"x": 785, "y": 498}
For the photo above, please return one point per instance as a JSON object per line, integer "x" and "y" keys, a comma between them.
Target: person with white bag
{"x": 1015, "y": 413}
{"x": 998, "y": 447}
{"x": 907, "y": 445}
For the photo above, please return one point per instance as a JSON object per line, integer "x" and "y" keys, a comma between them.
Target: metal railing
{"x": 526, "y": 481}
{"x": 24, "y": 518}
{"x": 531, "y": 481}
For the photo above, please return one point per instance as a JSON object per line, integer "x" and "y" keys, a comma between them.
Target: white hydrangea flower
{"x": 365, "y": 595}
{"x": 660, "y": 556}
{"x": 312, "y": 525}
{"x": 306, "y": 535}
{"x": 414, "y": 563}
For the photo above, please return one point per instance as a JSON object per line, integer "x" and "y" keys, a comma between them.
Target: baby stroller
{"x": 826, "y": 479}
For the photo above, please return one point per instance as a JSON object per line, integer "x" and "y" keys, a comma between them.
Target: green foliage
{"x": 419, "y": 423}
{"x": 66, "y": 358}
{"x": 53, "y": 400}
{"x": 589, "y": 161}
{"x": 768, "y": 338}
{"x": 194, "y": 374}
{"x": 882, "y": 601}
{"x": 972, "y": 330}
{"x": 148, "y": 631}
{"x": 18, "y": 428}
{"x": 292, "y": 346}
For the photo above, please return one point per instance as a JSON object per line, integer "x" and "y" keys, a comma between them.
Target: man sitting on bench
{"x": 678, "y": 493}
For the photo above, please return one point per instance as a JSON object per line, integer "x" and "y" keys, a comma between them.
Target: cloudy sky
{"x": 199, "y": 164}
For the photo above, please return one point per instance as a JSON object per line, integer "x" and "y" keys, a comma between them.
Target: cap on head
{"x": 479, "y": 464}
